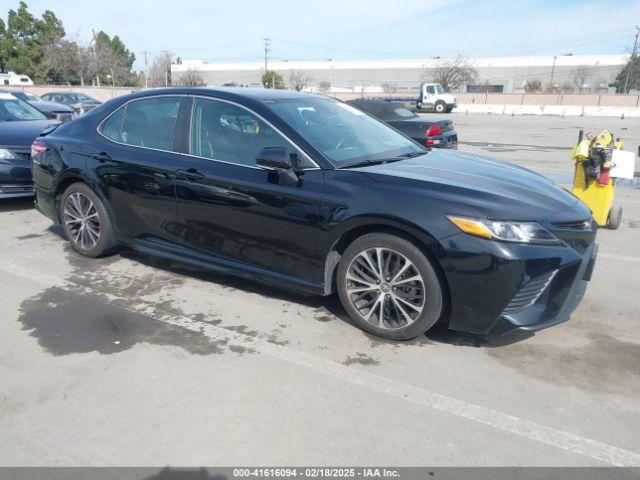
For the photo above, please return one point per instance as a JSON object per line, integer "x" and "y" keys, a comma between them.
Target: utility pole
{"x": 631, "y": 61}
{"x": 267, "y": 50}
{"x": 146, "y": 71}
{"x": 553, "y": 71}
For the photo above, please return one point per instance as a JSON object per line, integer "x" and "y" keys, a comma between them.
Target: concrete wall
{"x": 507, "y": 103}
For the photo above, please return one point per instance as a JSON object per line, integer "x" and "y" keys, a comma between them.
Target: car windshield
{"x": 27, "y": 97}
{"x": 82, "y": 98}
{"x": 13, "y": 109}
{"x": 341, "y": 132}
{"x": 439, "y": 88}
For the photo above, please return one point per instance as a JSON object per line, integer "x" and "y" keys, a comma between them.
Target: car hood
{"x": 51, "y": 107}
{"x": 21, "y": 134}
{"x": 493, "y": 188}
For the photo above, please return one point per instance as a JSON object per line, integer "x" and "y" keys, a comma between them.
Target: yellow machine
{"x": 591, "y": 181}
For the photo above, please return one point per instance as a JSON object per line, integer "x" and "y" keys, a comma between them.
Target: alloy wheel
{"x": 385, "y": 288}
{"x": 82, "y": 221}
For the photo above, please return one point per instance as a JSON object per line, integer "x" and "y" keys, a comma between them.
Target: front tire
{"x": 85, "y": 221}
{"x": 440, "y": 107}
{"x": 389, "y": 287}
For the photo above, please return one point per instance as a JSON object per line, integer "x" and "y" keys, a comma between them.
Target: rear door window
{"x": 150, "y": 123}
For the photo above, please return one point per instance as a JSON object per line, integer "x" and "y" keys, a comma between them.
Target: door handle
{"x": 190, "y": 174}
{"x": 101, "y": 157}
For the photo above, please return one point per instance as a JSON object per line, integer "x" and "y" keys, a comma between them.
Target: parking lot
{"x": 129, "y": 360}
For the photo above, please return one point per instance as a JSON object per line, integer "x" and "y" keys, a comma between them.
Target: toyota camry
{"x": 309, "y": 193}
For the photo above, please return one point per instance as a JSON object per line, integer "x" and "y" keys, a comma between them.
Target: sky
{"x": 231, "y": 30}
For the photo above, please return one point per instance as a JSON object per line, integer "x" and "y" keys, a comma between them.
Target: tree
{"x": 533, "y": 86}
{"x": 629, "y": 74}
{"x": 389, "y": 87}
{"x": 38, "y": 47}
{"x": 454, "y": 73}
{"x": 271, "y": 79}
{"x": 160, "y": 70}
{"x": 580, "y": 76}
{"x": 298, "y": 80}
{"x": 324, "y": 86}
{"x": 191, "y": 78}
{"x": 24, "y": 40}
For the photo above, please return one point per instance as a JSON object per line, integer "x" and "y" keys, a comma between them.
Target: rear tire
{"x": 440, "y": 107}
{"x": 85, "y": 221}
{"x": 615, "y": 217}
{"x": 389, "y": 287}
{"x": 419, "y": 105}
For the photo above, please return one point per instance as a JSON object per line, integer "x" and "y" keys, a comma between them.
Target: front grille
{"x": 24, "y": 156}
{"x": 65, "y": 117}
{"x": 529, "y": 293}
{"x": 575, "y": 225}
{"x": 578, "y": 234}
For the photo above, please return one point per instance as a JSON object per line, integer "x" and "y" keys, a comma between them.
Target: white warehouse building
{"x": 585, "y": 73}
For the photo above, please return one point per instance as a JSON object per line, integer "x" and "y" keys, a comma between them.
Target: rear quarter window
{"x": 112, "y": 126}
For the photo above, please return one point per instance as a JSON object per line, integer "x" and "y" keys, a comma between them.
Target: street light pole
{"x": 553, "y": 71}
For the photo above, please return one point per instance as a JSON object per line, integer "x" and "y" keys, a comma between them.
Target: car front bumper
{"x": 16, "y": 179}
{"x": 501, "y": 288}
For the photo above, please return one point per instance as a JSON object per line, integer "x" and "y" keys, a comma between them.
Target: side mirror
{"x": 274, "y": 158}
{"x": 50, "y": 115}
{"x": 277, "y": 160}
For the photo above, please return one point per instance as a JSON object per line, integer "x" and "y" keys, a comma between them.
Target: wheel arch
{"x": 69, "y": 178}
{"x": 362, "y": 226}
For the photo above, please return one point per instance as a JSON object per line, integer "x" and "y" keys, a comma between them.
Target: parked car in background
{"x": 425, "y": 131}
{"x": 52, "y": 110}
{"x": 80, "y": 102}
{"x": 20, "y": 125}
{"x": 432, "y": 97}
{"x": 307, "y": 192}
{"x": 12, "y": 78}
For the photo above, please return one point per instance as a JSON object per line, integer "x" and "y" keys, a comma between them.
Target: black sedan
{"x": 20, "y": 125}
{"x": 425, "y": 131}
{"x": 80, "y": 102}
{"x": 51, "y": 110}
{"x": 310, "y": 193}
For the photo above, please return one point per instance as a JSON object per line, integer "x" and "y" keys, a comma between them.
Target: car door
{"x": 134, "y": 161}
{"x": 230, "y": 208}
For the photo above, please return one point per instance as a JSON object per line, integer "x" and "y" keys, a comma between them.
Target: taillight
{"x": 433, "y": 130}
{"x": 38, "y": 147}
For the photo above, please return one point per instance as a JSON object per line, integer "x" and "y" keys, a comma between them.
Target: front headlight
{"x": 523, "y": 232}
{"x": 6, "y": 154}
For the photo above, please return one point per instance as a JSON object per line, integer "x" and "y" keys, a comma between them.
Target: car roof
{"x": 259, "y": 94}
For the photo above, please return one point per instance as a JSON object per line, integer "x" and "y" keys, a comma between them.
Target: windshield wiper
{"x": 365, "y": 163}
{"x": 414, "y": 154}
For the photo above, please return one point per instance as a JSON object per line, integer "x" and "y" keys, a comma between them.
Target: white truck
{"x": 12, "y": 78}
{"x": 432, "y": 97}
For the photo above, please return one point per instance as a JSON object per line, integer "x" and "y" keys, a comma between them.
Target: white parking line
{"x": 459, "y": 408}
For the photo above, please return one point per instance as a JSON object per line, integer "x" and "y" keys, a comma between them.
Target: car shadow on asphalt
{"x": 16, "y": 204}
{"x": 324, "y": 307}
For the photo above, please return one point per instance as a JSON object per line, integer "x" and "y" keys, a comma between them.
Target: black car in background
{"x": 310, "y": 193}
{"x": 20, "y": 125}
{"x": 425, "y": 131}
{"x": 51, "y": 110}
{"x": 80, "y": 102}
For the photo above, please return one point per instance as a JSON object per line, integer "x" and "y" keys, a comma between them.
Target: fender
{"x": 333, "y": 242}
